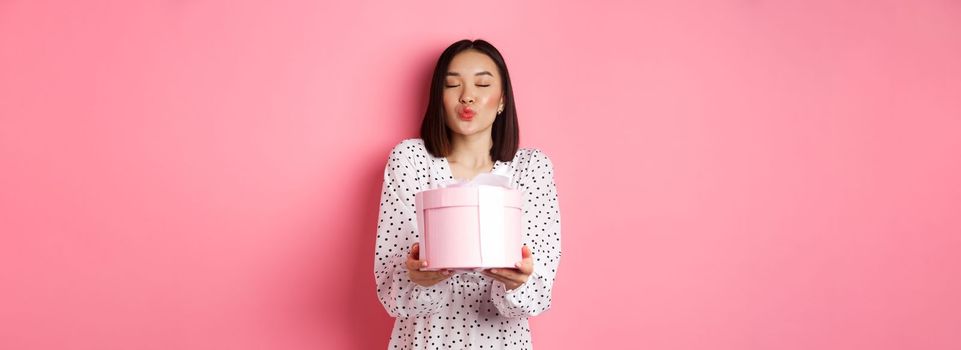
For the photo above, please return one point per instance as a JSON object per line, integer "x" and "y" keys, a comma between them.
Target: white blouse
{"x": 467, "y": 310}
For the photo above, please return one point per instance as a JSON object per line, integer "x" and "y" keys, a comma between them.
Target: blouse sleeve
{"x": 542, "y": 234}
{"x": 396, "y": 232}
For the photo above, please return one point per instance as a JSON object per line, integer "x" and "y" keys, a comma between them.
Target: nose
{"x": 466, "y": 100}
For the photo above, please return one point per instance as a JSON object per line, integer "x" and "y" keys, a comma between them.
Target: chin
{"x": 465, "y": 132}
{"x": 458, "y": 126}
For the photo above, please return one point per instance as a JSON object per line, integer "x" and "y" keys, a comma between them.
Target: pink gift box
{"x": 469, "y": 227}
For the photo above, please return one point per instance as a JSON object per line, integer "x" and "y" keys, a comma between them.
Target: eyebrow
{"x": 455, "y": 74}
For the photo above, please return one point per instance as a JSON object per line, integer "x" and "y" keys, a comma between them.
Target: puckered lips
{"x": 466, "y": 113}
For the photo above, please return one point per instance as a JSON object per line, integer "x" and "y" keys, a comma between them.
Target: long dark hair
{"x": 504, "y": 133}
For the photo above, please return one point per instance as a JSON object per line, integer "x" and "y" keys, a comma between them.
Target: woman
{"x": 470, "y": 127}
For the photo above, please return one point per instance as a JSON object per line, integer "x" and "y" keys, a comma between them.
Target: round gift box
{"x": 469, "y": 227}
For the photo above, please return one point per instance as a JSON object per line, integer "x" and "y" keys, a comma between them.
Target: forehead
{"x": 469, "y": 62}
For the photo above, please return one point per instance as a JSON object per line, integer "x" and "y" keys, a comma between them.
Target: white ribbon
{"x": 490, "y": 211}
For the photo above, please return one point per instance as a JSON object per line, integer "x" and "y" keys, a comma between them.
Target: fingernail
{"x": 493, "y": 271}
{"x": 424, "y": 264}
{"x": 446, "y": 272}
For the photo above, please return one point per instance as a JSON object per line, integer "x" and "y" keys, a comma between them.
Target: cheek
{"x": 450, "y": 101}
{"x": 493, "y": 101}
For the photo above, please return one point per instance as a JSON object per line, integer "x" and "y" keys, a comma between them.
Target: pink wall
{"x": 733, "y": 174}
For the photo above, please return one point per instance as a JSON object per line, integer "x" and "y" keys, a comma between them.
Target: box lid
{"x": 467, "y": 196}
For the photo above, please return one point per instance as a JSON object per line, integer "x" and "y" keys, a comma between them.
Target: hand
{"x": 513, "y": 278}
{"x": 423, "y": 278}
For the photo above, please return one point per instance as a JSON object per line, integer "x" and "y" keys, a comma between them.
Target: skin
{"x": 472, "y": 81}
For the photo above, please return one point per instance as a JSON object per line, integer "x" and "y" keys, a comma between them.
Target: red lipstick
{"x": 467, "y": 114}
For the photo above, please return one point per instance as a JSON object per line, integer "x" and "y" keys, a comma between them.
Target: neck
{"x": 471, "y": 150}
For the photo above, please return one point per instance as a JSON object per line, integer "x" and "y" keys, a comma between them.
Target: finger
{"x": 526, "y": 266}
{"x": 497, "y": 277}
{"x": 441, "y": 274}
{"x": 415, "y": 251}
{"x": 414, "y": 264}
{"x": 510, "y": 274}
{"x": 430, "y": 275}
{"x": 437, "y": 277}
{"x": 526, "y": 252}
{"x": 525, "y": 269}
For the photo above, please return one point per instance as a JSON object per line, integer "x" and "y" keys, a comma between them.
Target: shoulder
{"x": 533, "y": 162}
{"x": 411, "y": 151}
{"x": 532, "y": 157}
{"x": 408, "y": 148}
{"x": 409, "y": 154}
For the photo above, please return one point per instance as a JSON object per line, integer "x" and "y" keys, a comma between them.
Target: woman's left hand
{"x": 513, "y": 278}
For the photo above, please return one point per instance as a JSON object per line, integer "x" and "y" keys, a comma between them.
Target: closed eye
{"x": 453, "y": 86}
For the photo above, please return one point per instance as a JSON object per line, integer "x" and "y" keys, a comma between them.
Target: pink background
{"x": 732, "y": 174}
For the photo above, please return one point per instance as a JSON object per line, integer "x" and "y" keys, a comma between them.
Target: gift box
{"x": 470, "y": 226}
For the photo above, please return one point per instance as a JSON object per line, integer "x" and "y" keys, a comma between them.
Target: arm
{"x": 543, "y": 236}
{"x": 396, "y": 232}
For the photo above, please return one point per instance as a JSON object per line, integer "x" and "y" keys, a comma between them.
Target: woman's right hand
{"x": 423, "y": 278}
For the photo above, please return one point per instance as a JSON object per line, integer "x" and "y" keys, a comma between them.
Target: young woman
{"x": 470, "y": 127}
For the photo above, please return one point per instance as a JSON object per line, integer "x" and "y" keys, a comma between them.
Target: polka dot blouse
{"x": 467, "y": 310}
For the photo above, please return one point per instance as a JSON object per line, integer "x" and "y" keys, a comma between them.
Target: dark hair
{"x": 504, "y": 133}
